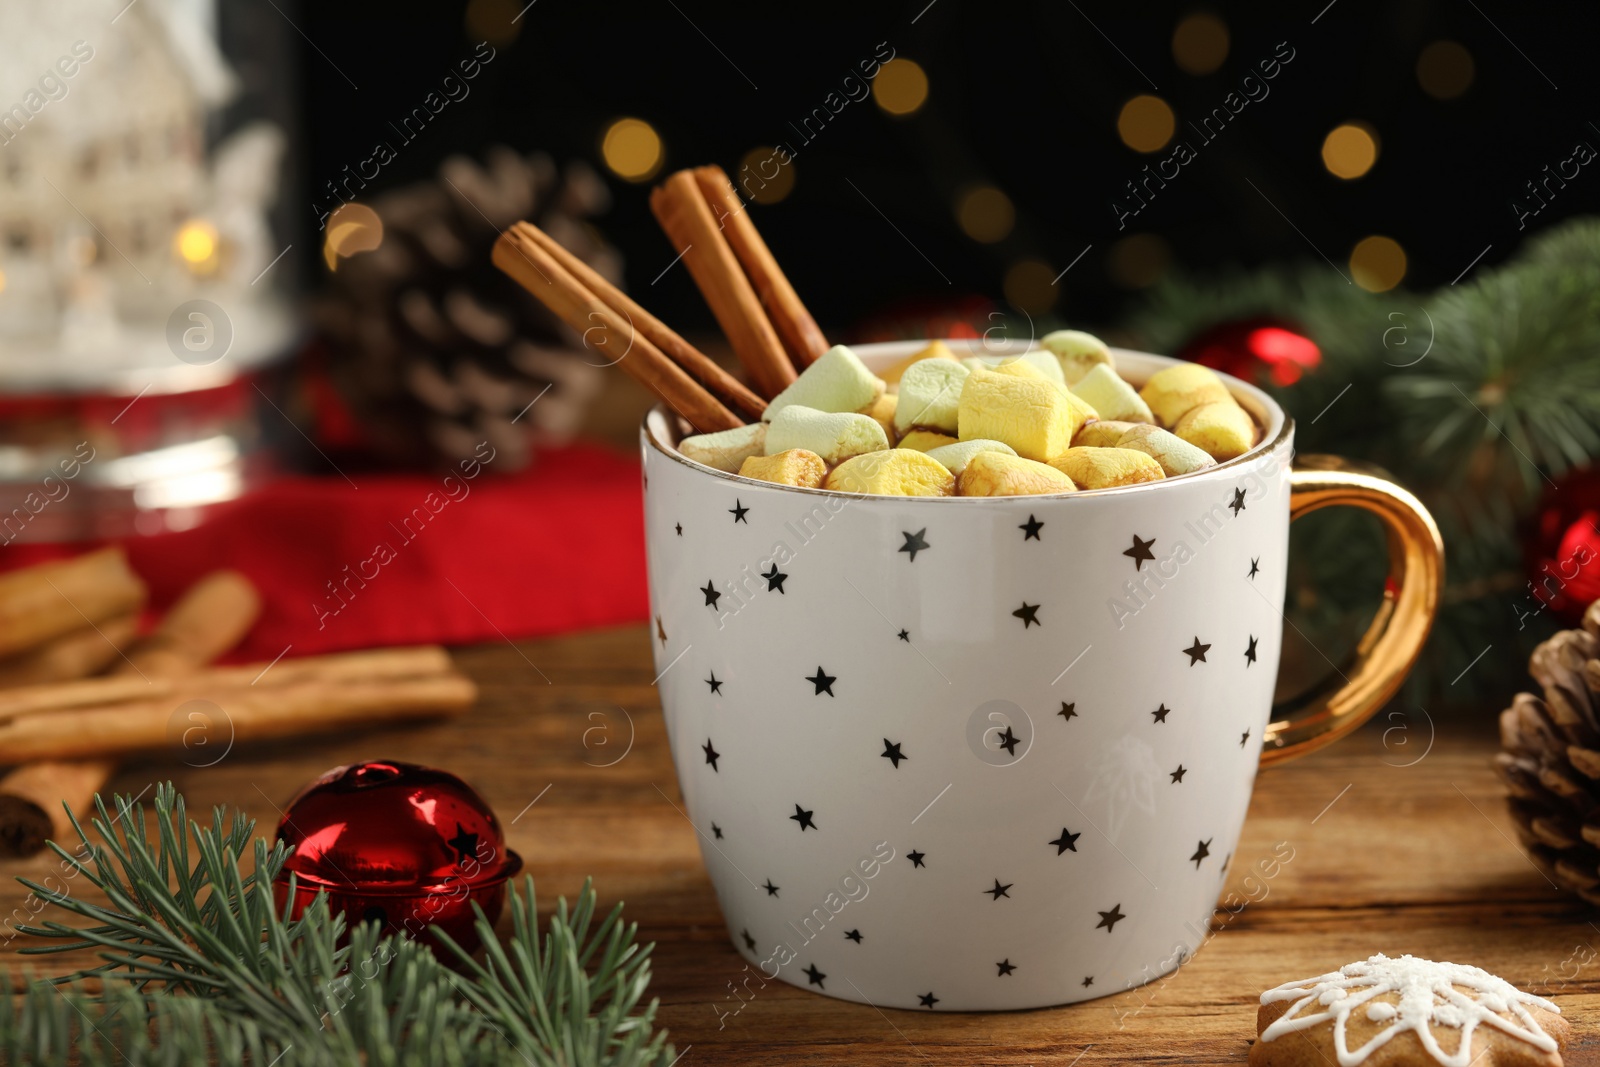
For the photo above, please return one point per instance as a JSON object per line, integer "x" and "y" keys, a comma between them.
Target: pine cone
{"x": 433, "y": 349}
{"x": 1551, "y": 762}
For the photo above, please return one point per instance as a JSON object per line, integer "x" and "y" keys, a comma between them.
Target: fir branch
{"x": 199, "y": 965}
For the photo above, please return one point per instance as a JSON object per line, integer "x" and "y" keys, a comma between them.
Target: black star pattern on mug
{"x": 749, "y": 942}
{"x": 1000, "y": 890}
{"x": 1244, "y": 737}
{"x": 823, "y": 682}
{"x": 927, "y": 1000}
{"x": 661, "y": 630}
{"x": 774, "y": 579}
{"x": 715, "y": 683}
{"x": 464, "y": 844}
{"x": 1030, "y": 529}
{"x": 1255, "y": 566}
{"x": 1109, "y": 919}
{"x": 916, "y": 858}
{"x": 1140, "y": 551}
{"x": 815, "y": 976}
{"x": 915, "y": 542}
{"x": 738, "y": 511}
{"x": 712, "y": 596}
{"x": 1201, "y": 852}
{"x": 716, "y": 831}
{"x": 771, "y": 889}
{"x": 1161, "y": 713}
{"x": 1237, "y": 503}
{"x": 712, "y": 755}
{"x": 1177, "y": 775}
{"x": 1067, "y": 842}
{"x": 892, "y": 753}
{"x": 1250, "y": 653}
{"x": 853, "y": 935}
{"x": 1068, "y": 711}
{"x": 1225, "y": 861}
{"x": 1196, "y": 652}
{"x": 1006, "y": 967}
{"x": 1029, "y": 614}
{"x": 680, "y": 529}
{"x": 1009, "y": 741}
{"x": 803, "y": 817}
{"x": 1088, "y": 981}
{"x": 904, "y": 635}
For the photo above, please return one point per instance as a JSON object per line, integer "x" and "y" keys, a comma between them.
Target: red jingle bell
{"x": 409, "y": 846}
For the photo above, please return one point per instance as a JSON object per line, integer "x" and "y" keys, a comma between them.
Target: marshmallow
{"x": 1103, "y": 468}
{"x": 1172, "y": 392}
{"x": 835, "y": 436}
{"x": 925, "y": 440}
{"x": 1036, "y": 417}
{"x": 956, "y": 457}
{"x": 726, "y": 449}
{"x": 1110, "y": 396}
{"x": 882, "y": 409}
{"x": 1040, "y": 360}
{"x": 935, "y": 350}
{"x": 1078, "y": 352}
{"x": 997, "y": 474}
{"x": 930, "y": 395}
{"x": 837, "y": 381}
{"x": 1175, "y": 455}
{"x": 1223, "y": 429}
{"x": 794, "y": 467}
{"x": 1103, "y": 434}
{"x": 896, "y": 472}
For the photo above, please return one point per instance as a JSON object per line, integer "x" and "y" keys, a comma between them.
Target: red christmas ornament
{"x": 1563, "y": 553}
{"x": 409, "y": 846}
{"x": 1255, "y": 349}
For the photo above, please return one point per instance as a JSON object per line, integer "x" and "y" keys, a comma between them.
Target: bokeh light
{"x": 1146, "y": 123}
{"x": 632, "y": 150}
{"x": 1445, "y": 70}
{"x": 351, "y": 228}
{"x": 196, "y": 244}
{"x": 1350, "y": 150}
{"x": 1138, "y": 260}
{"x": 2, "y": 281}
{"x": 495, "y": 21}
{"x": 764, "y": 176}
{"x": 1378, "y": 263}
{"x": 1200, "y": 43}
{"x": 985, "y": 214}
{"x": 1029, "y": 286}
{"x": 901, "y": 87}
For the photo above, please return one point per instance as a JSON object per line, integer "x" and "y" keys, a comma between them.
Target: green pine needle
{"x": 199, "y": 966}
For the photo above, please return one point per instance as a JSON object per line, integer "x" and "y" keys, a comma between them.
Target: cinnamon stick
{"x": 681, "y": 209}
{"x": 85, "y": 651}
{"x": 241, "y": 715}
{"x": 700, "y": 366}
{"x": 38, "y": 604}
{"x": 33, "y": 799}
{"x": 606, "y": 332}
{"x": 801, "y": 335}
{"x": 211, "y": 617}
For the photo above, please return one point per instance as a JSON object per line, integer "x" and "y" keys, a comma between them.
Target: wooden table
{"x": 1387, "y": 857}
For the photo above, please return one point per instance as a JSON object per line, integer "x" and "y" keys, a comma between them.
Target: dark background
{"x": 1024, "y": 96}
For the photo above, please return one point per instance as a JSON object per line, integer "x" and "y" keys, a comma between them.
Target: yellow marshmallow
{"x": 1104, "y": 468}
{"x": 896, "y": 472}
{"x": 1175, "y": 455}
{"x": 1110, "y": 396}
{"x": 1103, "y": 434}
{"x": 1078, "y": 353}
{"x": 726, "y": 449}
{"x": 1224, "y": 429}
{"x": 997, "y": 474}
{"x": 1039, "y": 359}
{"x": 956, "y": 457}
{"x": 835, "y": 436}
{"x": 1172, "y": 392}
{"x": 935, "y": 350}
{"x": 1034, "y": 416}
{"x": 882, "y": 409}
{"x": 794, "y": 467}
{"x": 925, "y": 440}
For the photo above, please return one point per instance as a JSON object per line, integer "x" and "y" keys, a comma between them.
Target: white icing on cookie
{"x": 1428, "y": 998}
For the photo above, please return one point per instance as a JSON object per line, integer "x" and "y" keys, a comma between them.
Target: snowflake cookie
{"x": 1385, "y": 1012}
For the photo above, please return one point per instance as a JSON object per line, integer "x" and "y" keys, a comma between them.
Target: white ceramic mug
{"x": 992, "y": 753}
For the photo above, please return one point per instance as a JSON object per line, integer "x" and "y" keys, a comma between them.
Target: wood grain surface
{"x": 1397, "y": 847}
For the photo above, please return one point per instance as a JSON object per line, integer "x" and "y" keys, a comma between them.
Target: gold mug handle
{"x": 1394, "y": 639}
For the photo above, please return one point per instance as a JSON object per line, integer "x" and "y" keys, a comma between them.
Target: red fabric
{"x": 555, "y": 548}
